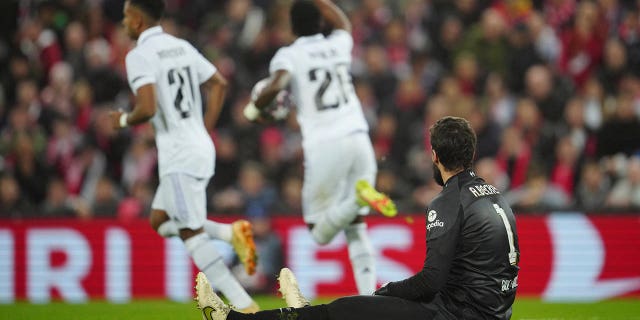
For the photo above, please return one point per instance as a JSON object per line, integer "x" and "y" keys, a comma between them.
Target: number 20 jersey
{"x": 176, "y": 69}
{"x": 327, "y": 106}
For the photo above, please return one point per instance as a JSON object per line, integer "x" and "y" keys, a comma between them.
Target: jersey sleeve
{"x": 282, "y": 60}
{"x": 342, "y": 39}
{"x": 443, "y": 232}
{"x": 139, "y": 71}
{"x": 204, "y": 68}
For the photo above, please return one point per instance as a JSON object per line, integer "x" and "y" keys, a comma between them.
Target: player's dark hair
{"x": 153, "y": 8}
{"x": 454, "y": 142}
{"x": 305, "y": 18}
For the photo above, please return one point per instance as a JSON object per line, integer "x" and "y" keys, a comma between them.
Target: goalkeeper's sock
{"x": 362, "y": 258}
{"x": 215, "y": 230}
{"x": 211, "y": 263}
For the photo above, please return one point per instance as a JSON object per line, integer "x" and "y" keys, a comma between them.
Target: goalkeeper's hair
{"x": 305, "y": 18}
{"x": 153, "y": 8}
{"x": 454, "y": 141}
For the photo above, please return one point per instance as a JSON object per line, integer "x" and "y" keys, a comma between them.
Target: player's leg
{"x": 361, "y": 252}
{"x": 238, "y": 233}
{"x": 325, "y": 169}
{"x": 183, "y": 198}
{"x": 347, "y": 308}
{"x": 362, "y": 257}
{"x": 363, "y": 178}
{"x": 213, "y": 308}
{"x": 167, "y": 228}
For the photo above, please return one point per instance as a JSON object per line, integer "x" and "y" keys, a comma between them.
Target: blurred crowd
{"x": 551, "y": 87}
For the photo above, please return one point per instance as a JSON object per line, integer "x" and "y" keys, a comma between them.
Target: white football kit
{"x": 336, "y": 144}
{"x": 186, "y": 154}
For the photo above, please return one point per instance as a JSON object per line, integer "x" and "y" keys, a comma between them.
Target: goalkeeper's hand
{"x": 382, "y": 291}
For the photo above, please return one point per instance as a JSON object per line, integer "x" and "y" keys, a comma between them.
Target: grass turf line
{"x": 524, "y": 309}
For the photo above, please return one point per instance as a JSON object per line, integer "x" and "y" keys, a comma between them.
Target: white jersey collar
{"x": 311, "y": 38}
{"x": 149, "y": 33}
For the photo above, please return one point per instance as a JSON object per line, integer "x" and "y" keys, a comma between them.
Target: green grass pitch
{"x": 524, "y": 309}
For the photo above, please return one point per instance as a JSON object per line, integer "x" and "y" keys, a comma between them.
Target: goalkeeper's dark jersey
{"x": 471, "y": 265}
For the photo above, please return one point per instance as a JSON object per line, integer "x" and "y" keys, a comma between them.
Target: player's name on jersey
{"x": 171, "y": 53}
{"x": 324, "y": 54}
{"x": 482, "y": 190}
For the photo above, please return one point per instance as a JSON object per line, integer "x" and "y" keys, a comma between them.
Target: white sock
{"x": 206, "y": 257}
{"x": 334, "y": 220}
{"x": 168, "y": 229}
{"x": 214, "y": 229}
{"x": 325, "y": 230}
{"x": 362, "y": 258}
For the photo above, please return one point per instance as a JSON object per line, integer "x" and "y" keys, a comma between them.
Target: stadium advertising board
{"x": 565, "y": 257}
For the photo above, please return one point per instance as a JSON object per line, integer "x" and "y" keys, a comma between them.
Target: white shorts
{"x": 331, "y": 170}
{"x": 184, "y": 199}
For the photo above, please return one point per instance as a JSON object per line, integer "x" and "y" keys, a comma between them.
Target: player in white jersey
{"x": 339, "y": 161}
{"x": 165, "y": 73}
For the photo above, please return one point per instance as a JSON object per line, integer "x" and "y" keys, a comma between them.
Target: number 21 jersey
{"x": 176, "y": 69}
{"x": 321, "y": 85}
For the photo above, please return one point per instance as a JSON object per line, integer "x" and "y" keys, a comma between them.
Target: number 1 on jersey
{"x": 513, "y": 255}
{"x": 181, "y": 102}
{"x": 341, "y": 72}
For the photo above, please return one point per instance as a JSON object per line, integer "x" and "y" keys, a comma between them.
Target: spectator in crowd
{"x": 12, "y": 204}
{"x": 487, "y": 131}
{"x": 272, "y": 154}
{"x": 20, "y": 121}
{"x": 619, "y": 133}
{"x": 566, "y": 168}
{"x": 625, "y": 193}
{"x": 522, "y": 55}
{"x": 379, "y": 74}
{"x": 259, "y": 195}
{"x": 527, "y": 77}
{"x": 582, "y": 43}
{"x": 594, "y": 96}
{"x": 575, "y": 126}
{"x": 593, "y": 188}
{"x": 290, "y": 196}
{"x": 488, "y": 169}
{"x": 61, "y": 145}
{"x": 514, "y": 156}
{"x": 105, "y": 200}
{"x": 499, "y": 102}
{"x": 137, "y": 204}
{"x": 544, "y": 37}
{"x": 546, "y": 91}
{"x": 57, "y": 203}
{"x": 389, "y": 183}
{"x": 227, "y": 161}
{"x": 75, "y": 39}
{"x": 448, "y": 38}
{"x": 614, "y": 66}
{"x": 537, "y": 193}
{"x": 487, "y": 40}
{"x": 30, "y": 173}
{"x": 558, "y": 13}
{"x": 139, "y": 163}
